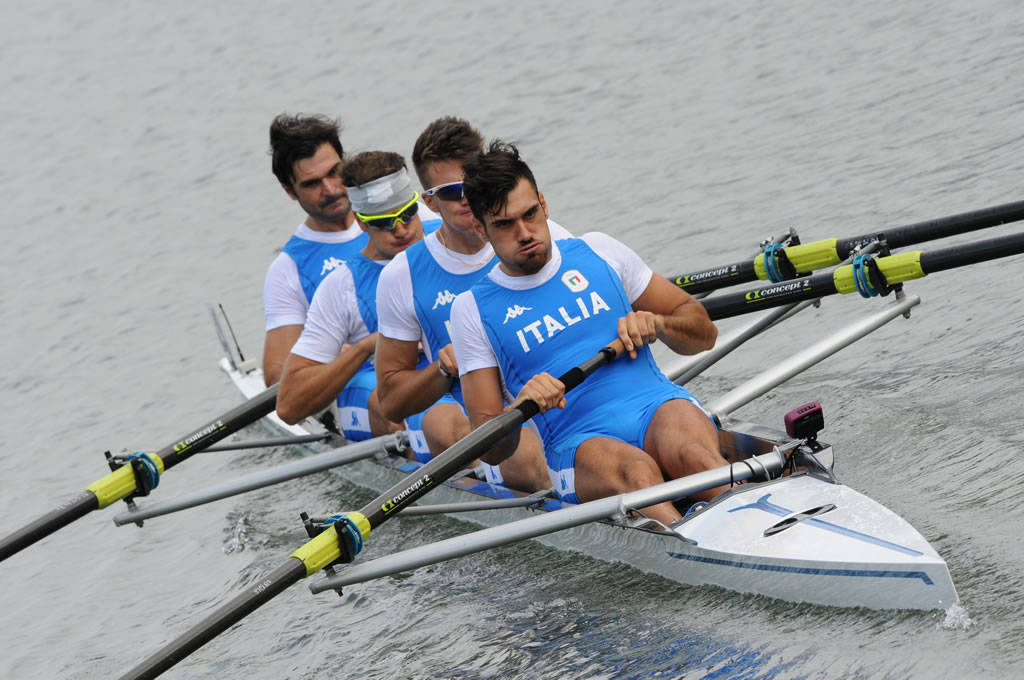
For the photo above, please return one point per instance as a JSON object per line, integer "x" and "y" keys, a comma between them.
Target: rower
{"x": 331, "y": 359}
{"x": 306, "y": 158}
{"x": 542, "y": 309}
{"x": 415, "y": 295}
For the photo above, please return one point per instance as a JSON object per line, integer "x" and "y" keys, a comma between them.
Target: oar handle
{"x": 574, "y": 376}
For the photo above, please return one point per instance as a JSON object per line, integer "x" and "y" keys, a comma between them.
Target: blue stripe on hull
{"x": 812, "y": 571}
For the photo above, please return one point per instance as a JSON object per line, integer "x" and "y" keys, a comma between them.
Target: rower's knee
{"x": 379, "y": 423}
{"x": 443, "y": 426}
{"x": 527, "y": 469}
{"x": 637, "y": 470}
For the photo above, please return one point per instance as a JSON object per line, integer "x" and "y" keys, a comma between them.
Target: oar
{"x": 343, "y": 455}
{"x": 343, "y": 539}
{"x": 870, "y": 276}
{"x": 762, "y": 467}
{"x": 141, "y": 474}
{"x": 808, "y": 257}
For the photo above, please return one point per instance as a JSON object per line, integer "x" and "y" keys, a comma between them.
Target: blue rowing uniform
{"x": 434, "y": 288}
{"x": 353, "y": 402}
{"x": 315, "y": 260}
{"x": 560, "y": 324}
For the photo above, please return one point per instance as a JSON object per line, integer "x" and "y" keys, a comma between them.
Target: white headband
{"x": 382, "y": 194}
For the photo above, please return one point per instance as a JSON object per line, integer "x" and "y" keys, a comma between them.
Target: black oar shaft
{"x": 894, "y": 268}
{"x": 479, "y": 441}
{"x": 809, "y": 257}
{"x": 324, "y": 549}
{"x": 971, "y": 253}
{"x": 242, "y": 605}
{"x": 79, "y": 506}
{"x": 234, "y": 420}
{"x": 942, "y": 227}
{"x": 121, "y": 483}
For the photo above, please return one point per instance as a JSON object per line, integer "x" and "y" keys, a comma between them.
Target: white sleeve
{"x": 557, "y": 231}
{"x": 284, "y": 302}
{"x": 333, "y": 319}
{"x": 472, "y": 346}
{"x": 396, "y": 311}
{"x": 633, "y": 271}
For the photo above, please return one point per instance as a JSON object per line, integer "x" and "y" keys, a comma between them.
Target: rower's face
{"x": 385, "y": 244}
{"x": 317, "y": 186}
{"x": 519, "y": 232}
{"x": 455, "y": 214}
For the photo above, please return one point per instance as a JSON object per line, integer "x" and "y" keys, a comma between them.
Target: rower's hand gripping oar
{"x": 780, "y": 262}
{"x": 343, "y": 539}
{"x": 868, "y": 275}
{"x": 139, "y": 473}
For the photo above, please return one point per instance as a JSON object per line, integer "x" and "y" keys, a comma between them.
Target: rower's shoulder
{"x": 398, "y": 266}
{"x": 338, "y": 281}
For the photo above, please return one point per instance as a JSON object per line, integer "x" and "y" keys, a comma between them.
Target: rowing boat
{"x": 789, "y": 529}
{"x": 802, "y": 537}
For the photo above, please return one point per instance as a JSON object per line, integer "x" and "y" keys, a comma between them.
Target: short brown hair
{"x": 370, "y": 165}
{"x": 491, "y": 177}
{"x": 446, "y": 139}
{"x": 294, "y": 138}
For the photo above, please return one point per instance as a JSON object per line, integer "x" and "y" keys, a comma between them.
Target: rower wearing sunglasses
{"x": 414, "y": 300}
{"x": 332, "y": 358}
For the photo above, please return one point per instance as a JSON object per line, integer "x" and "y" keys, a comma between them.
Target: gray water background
{"x": 136, "y": 187}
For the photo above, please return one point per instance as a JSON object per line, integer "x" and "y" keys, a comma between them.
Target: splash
{"x": 236, "y": 541}
{"x": 957, "y": 618}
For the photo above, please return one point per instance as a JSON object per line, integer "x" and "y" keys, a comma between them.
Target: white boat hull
{"x": 855, "y": 553}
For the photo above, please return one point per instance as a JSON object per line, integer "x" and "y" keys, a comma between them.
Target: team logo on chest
{"x": 330, "y": 264}
{"x": 574, "y": 281}
{"x": 444, "y": 297}
{"x": 514, "y": 311}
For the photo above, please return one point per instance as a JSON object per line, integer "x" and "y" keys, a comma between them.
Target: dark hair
{"x": 446, "y": 139}
{"x": 293, "y": 138}
{"x": 370, "y": 165}
{"x": 491, "y": 177}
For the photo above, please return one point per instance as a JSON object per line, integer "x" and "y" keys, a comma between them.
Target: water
{"x": 137, "y": 187}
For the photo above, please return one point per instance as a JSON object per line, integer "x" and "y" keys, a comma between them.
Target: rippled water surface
{"x": 137, "y": 187}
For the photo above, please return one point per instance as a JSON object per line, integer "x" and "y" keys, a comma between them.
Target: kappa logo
{"x": 515, "y": 311}
{"x": 444, "y": 297}
{"x": 330, "y": 264}
{"x": 574, "y": 281}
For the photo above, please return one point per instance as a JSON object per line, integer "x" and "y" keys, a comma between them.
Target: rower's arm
{"x": 276, "y": 347}
{"x": 402, "y": 389}
{"x": 484, "y": 400}
{"x": 308, "y": 386}
{"x": 680, "y": 321}
{"x": 481, "y": 390}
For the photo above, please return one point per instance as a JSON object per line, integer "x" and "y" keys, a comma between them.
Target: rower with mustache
{"x": 307, "y": 158}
